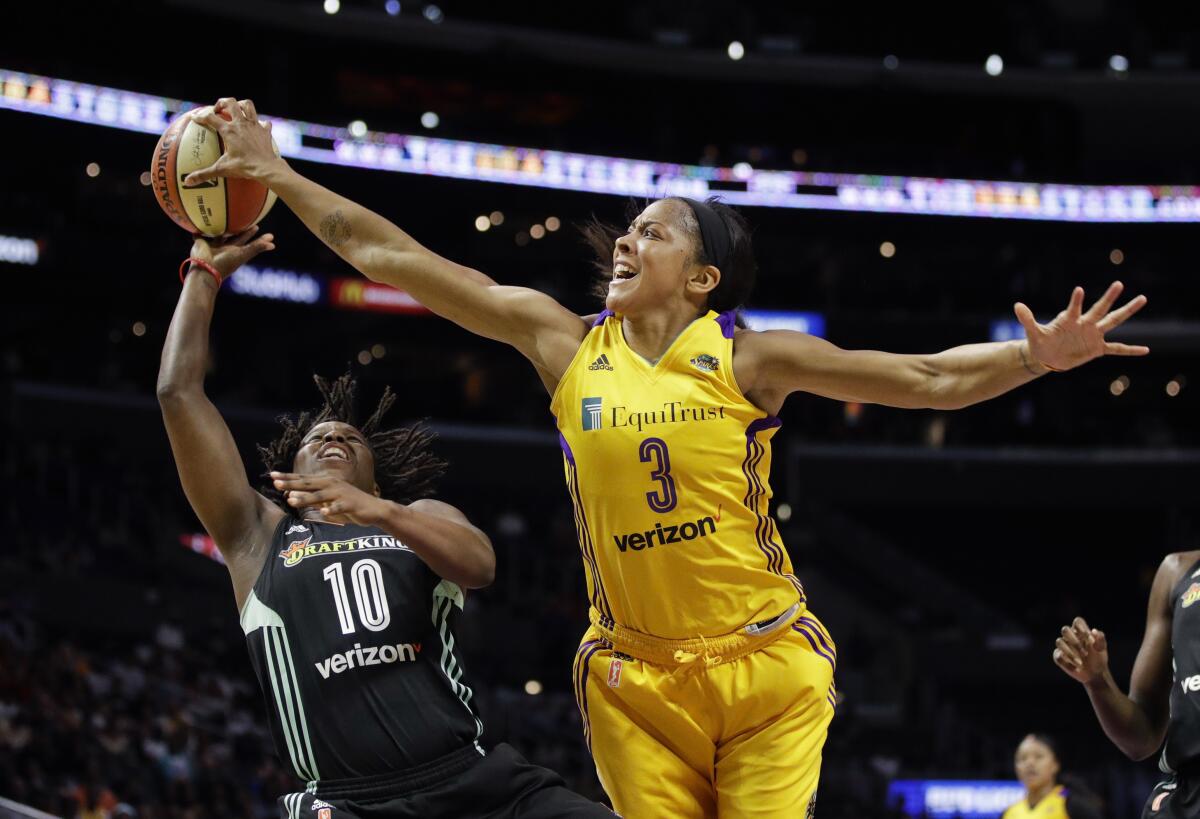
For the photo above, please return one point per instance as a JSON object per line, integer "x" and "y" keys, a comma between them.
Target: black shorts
{"x": 1176, "y": 798}
{"x": 464, "y": 784}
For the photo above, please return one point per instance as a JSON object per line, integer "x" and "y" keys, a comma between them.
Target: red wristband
{"x": 199, "y": 263}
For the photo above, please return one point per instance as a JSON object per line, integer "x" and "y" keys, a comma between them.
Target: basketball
{"x": 214, "y": 208}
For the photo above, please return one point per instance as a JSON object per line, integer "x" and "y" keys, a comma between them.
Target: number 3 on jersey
{"x": 664, "y": 499}
{"x": 367, "y": 576}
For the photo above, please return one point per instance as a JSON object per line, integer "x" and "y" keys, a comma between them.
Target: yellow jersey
{"x": 667, "y": 465}
{"x": 1051, "y": 806}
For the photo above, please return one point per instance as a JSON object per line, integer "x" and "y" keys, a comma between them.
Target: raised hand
{"x": 1074, "y": 337}
{"x": 249, "y": 150}
{"x": 331, "y": 496}
{"x": 1082, "y": 652}
{"x": 227, "y": 255}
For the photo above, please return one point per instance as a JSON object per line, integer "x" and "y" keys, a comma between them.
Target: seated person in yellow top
{"x": 1046, "y": 797}
{"x": 705, "y": 683}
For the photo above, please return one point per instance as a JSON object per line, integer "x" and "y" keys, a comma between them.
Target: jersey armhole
{"x": 731, "y": 379}
{"x": 601, "y": 321}
{"x": 268, "y": 553}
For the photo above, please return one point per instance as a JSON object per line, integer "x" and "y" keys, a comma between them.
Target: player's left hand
{"x": 1074, "y": 337}
{"x": 331, "y": 495}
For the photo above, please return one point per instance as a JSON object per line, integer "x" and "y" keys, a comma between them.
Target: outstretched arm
{"x": 773, "y": 364}
{"x": 539, "y": 327}
{"x": 210, "y": 468}
{"x": 1135, "y": 723}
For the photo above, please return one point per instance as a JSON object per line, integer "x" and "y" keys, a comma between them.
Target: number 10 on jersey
{"x": 367, "y": 578}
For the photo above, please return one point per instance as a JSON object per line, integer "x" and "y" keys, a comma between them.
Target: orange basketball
{"x": 214, "y": 208}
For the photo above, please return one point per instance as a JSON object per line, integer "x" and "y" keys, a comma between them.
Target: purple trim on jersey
{"x": 755, "y": 489}
{"x": 599, "y": 596}
{"x": 763, "y": 423}
{"x": 728, "y": 321}
{"x": 600, "y": 318}
{"x": 566, "y": 448}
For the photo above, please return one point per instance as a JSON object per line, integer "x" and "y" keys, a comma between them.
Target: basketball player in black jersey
{"x": 349, "y": 585}
{"x": 1164, "y": 691}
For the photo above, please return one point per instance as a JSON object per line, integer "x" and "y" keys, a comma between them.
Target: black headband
{"x": 713, "y": 233}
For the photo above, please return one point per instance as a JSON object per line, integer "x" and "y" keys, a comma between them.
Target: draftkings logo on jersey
{"x": 706, "y": 362}
{"x": 299, "y": 550}
{"x": 1191, "y": 595}
{"x": 591, "y": 414}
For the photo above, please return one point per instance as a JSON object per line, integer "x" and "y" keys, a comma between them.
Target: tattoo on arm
{"x": 335, "y": 230}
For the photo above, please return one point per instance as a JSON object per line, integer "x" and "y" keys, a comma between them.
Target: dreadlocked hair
{"x": 405, "y": 469}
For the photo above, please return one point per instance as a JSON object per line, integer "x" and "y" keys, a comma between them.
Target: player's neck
{"x": 317, "y": 517}
{"x": 1036, "y": 795}
{"x": 650, "y": 335}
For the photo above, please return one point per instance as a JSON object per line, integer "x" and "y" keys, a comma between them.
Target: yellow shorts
{"x": 736, "y": 738}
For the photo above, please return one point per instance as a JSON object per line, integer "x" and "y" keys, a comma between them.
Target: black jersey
{"x": 352, "y": 638}
{"x": 1183, "y": 731}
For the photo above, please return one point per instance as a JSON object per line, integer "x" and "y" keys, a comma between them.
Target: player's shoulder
{"x": 1175, "y": 564}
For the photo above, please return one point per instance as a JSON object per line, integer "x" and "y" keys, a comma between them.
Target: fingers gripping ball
{"x": 215, "y": 208}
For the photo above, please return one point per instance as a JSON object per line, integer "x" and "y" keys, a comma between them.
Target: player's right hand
{"x": 249, "y": 150}
{"x": 230, "y": 253}
{"x": 1082, "y": 652}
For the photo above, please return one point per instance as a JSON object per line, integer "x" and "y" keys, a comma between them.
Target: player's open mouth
{"x": 623, "y": 271}
{"x": 334, "y": 452}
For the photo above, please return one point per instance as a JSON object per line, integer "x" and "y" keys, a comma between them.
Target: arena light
{"x": 17, "y": 250}
{"x": 1007, "y": 330}
{"x": 276, "y": 283}
{"x": 943, "y": 799}
{"x": 456, "y": 159}
{"x": 994, "y": 65}
{"x": 204, "y": 545}
{"x": 801, "y": 322}
{"x": 358, "y": 294}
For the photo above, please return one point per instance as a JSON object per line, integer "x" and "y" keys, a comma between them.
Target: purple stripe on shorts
{"x": 802, "y": 631}
{"x": 587, "y": 720}
{"x": 819, "y": 630}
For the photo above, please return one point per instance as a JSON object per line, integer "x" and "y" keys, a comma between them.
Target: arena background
{"x": 943, "y": 550}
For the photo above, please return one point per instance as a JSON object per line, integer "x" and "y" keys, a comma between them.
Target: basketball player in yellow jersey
{"x": 705, "y": 682}
{"x": 1048, "y": 794}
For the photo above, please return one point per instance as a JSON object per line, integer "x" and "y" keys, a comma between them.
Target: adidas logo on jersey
{"x": 601, "y": 363}
{"x": 296, "y": 529}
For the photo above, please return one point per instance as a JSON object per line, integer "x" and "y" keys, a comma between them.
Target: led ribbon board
{"x": 950, "y": 799}
{"x": 740, "y": 185}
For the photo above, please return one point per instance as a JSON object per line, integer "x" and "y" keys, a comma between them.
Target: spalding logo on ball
{"x": 215, "y": 208}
